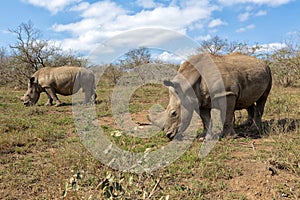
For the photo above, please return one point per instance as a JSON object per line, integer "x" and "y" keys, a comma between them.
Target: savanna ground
{"x": 42, "y": 156}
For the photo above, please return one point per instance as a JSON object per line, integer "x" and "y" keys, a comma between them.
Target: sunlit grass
{"x": 42, "y": 156}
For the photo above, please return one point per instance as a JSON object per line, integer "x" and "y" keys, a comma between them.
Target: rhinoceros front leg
{"x": 49, "y": 101}
{"x": 206, "y": 120}
{"x": 51, "y": 93}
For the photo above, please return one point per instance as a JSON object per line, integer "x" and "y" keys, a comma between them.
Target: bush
{"x": 285, "y": 66}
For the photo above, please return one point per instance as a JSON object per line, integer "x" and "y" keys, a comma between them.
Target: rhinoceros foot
{"x": 58, "y": 104}
{"x": 228, "y": 132}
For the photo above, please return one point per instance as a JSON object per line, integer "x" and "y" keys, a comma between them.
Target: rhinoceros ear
{"x": 32, "y": 79}
{"x": 169, "y": 83}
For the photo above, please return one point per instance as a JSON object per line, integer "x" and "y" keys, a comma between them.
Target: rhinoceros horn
{"x": 157, "y": 116}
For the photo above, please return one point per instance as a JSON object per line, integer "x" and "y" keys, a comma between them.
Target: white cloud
{"x": 203, "y": 37}
{"x": 243, "y": 29}
{"x": 80, "y": 6}
{"x": 167, "y": 57}
{"x": 5, "y": 31}
{"x": 244, "y": 17}
{"x": 146, "y": 3}
{"x": 261, "y": 13}
{"x": 274, "y": 45}
{"x": 271, "y": 47}
{"x": 154, "y": 38}
{"x": 105, "y": 19}
{"x": 250, "y": 13}
{"x": 103, "y": 9}
{"x": 293, "y": 33}
{"x": 53, "y": 6}
{"x": 258, "y": 2}
{"x": 95, "y": 18}
{"x": 216, "y": 22}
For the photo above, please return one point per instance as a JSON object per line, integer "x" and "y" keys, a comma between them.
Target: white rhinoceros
{"x": 65, "y": 80}
{"x": 227, "y": 83}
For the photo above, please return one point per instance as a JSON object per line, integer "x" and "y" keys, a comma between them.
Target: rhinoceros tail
{"x": 94, "y": 95}
{"x": 268, "y": 89}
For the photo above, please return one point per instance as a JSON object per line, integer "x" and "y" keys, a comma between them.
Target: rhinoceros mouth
{"x": 27, "y": 103}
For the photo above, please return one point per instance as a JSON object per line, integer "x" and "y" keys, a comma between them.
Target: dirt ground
{"x": 258, "y": 179}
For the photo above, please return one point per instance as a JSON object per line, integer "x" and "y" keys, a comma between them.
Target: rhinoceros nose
{"x": 170, "y": 135}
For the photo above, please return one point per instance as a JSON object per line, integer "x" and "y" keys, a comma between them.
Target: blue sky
{"x": 81, "y": 25}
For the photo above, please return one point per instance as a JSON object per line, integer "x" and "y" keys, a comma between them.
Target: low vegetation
{"x": 42, "y": 156}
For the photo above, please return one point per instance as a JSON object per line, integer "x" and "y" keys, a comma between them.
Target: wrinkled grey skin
{"x": 65, "y": 80}
{"x": 247, "y": 83}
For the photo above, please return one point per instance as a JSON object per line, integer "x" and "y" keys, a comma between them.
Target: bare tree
{"x": 135, "y": 57}
{"x": 4, "y": 59}
{"x": 30, "y": 50}
{"x": 61, "y": 58}
{"x": 218, "y": 46}
{"x": 215, "y": 46}
{"x": 285, "y": 64}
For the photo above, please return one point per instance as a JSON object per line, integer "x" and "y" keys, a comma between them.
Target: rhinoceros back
{"x": 63, "y": 79}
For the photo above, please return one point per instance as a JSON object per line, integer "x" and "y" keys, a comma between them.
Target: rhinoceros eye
{"x": 173, "y": 113}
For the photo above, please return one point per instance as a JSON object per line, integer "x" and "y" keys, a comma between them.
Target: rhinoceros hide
{"x": 65, "y": 80}
{"x": 227, "y": 83}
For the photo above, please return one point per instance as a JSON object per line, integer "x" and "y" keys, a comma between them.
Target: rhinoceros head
{"x": 32, "y": 94}
{"x": 172, "y": 113}
{"x": 177, "y": 116}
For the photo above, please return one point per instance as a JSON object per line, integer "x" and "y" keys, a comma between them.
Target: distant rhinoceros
{"x": 65, "y": 80}
{"x": 227, "y": 83}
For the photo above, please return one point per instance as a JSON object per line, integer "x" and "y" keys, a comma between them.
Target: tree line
{"x": 30, "y": 52}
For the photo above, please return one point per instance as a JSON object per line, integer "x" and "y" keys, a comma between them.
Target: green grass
{"x": 42, "y": 156}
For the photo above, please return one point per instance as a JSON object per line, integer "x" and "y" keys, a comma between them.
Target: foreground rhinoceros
{"x": 227, "y": 83}
{"x": 65, "y": 80}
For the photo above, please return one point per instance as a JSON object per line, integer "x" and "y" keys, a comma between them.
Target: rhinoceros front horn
{"x": 157, "y": 116}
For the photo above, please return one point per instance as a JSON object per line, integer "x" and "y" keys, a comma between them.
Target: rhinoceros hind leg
{"x": 251, "y": 113}
{"x": 89, "y": 97}
{"x": 260, "y": 106}
{"x": 227, "y": 116}
{"x": 257, "y": 119}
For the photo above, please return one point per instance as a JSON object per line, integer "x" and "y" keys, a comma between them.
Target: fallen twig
{"x": 252, "y": 145}
{"x": 153, "y": 189}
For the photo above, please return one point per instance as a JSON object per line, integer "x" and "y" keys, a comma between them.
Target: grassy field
{"x": 42, "y": 156}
